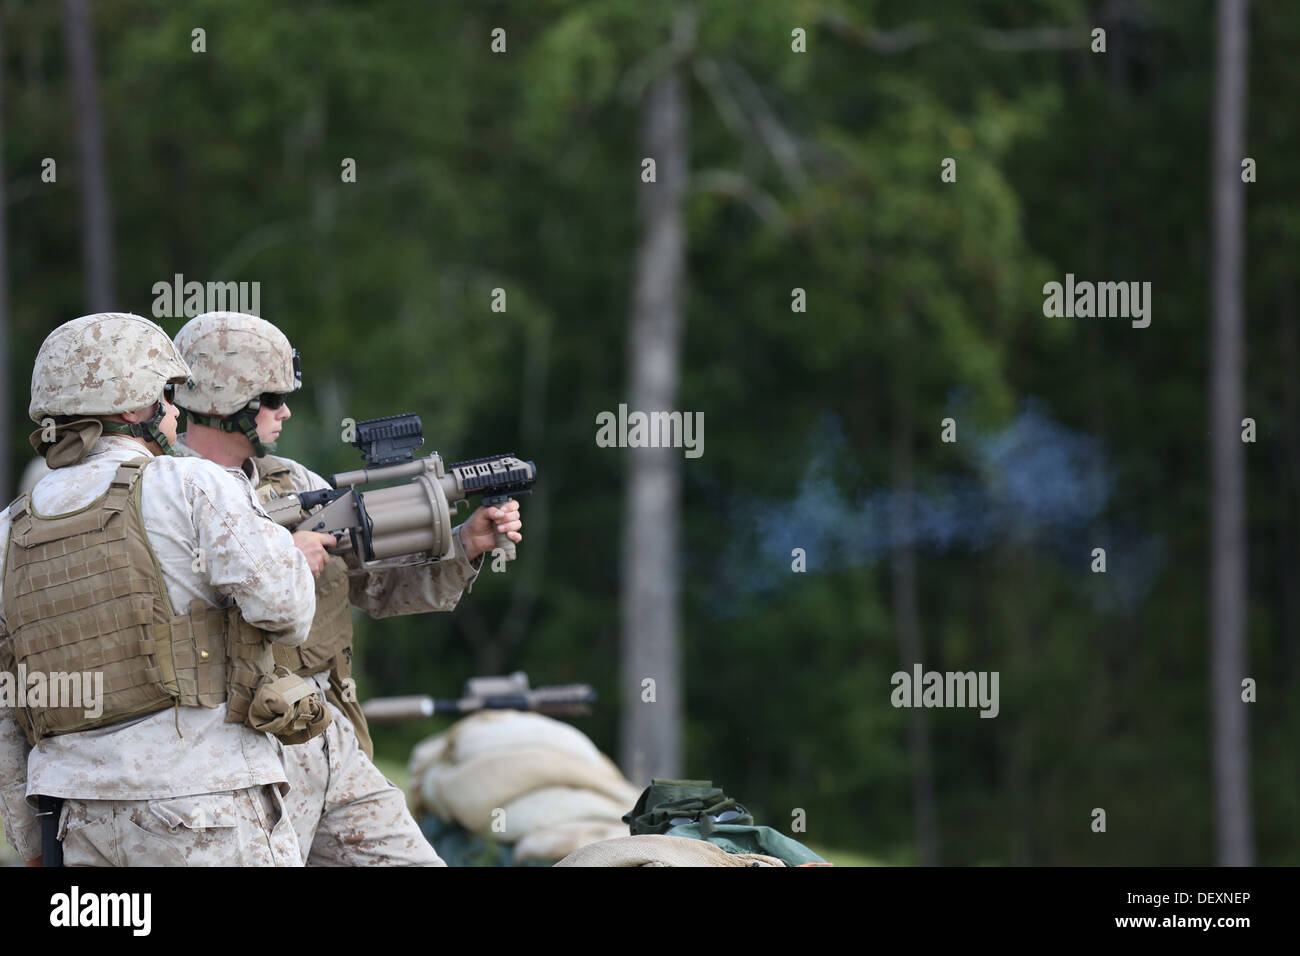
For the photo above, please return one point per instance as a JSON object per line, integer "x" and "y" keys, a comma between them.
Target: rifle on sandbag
{"x": 510, "y": 692}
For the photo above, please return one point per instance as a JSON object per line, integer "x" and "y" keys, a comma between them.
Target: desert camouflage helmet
{"x": 100, "y": 365}
{"x": 234, "y": 359}
{"x": 103, "y": 364}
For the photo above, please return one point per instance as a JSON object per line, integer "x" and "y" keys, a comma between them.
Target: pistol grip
{"x": 505, "y": 544}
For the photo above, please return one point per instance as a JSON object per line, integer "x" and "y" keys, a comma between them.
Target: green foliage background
{"x": 519, "y": 170}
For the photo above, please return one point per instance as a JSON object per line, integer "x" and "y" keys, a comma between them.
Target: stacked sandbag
{"x": 523, "y": 779}
{"x": 658, "y": 850}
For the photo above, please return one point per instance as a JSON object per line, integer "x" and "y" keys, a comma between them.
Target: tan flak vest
{"x": 83, "y": 593}
{"x": 329, "y": 645}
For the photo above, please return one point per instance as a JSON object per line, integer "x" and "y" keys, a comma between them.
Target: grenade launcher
{"x": 408, "y": 518}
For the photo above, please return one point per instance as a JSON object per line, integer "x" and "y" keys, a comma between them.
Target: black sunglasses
{"x": 274, "y": 400}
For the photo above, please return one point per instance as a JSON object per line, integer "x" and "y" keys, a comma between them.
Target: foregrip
{"x": 498, "y": 478}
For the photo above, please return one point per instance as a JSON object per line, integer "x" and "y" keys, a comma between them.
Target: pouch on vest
{"x": 265, "y": 697}
{"x": 289, "y": 707}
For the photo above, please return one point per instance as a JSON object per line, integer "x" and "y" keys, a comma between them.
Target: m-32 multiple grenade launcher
{"x": 409, "y": 518}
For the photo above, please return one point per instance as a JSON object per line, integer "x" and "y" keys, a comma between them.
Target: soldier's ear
{"x": 137, "y": 416}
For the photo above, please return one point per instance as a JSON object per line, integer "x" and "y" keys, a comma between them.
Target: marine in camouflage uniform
{"x": 346, "y": 812}
{"x": 177, "y": 783}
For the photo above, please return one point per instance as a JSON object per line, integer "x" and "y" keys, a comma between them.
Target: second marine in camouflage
{"x": 345, "y": 811}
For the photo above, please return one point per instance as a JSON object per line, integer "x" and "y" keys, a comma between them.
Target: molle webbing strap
{"x": 342, "y": 693}
{"x": 199, "y": 652}
{"x": 248, "y": 660}
{"x": 19, "y": 508}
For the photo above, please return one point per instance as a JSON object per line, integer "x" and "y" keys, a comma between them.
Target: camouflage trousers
{"x": 346, "y": 812}
{"x": 234, "y": 828}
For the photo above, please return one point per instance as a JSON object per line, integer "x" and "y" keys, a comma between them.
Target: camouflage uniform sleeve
{"x": 21, "y": 829}
{"x": 251, "y": 558}
{"x": 413, "y": 585}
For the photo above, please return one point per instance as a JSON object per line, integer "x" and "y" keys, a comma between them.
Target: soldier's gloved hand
{"x": 478, "y": 534}
{"x": 313, "y": 544}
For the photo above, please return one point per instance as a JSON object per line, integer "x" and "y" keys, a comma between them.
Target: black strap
{"x": 49, "y": 810}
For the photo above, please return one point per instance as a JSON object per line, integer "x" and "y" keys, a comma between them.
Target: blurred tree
{"x": 651, "y": 736}
{"x": 96, "y": 222}
{"x": 1228, "y": 596}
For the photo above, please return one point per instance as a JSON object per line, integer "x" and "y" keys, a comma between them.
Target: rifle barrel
{"x": 385, "y": 709}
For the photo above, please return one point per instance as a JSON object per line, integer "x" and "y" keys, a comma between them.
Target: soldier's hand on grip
{"x": 313, "y": 544}
{"x": 479, "y": 532}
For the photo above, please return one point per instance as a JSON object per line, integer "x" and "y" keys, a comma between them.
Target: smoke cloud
{"x": 1034, "y": 483}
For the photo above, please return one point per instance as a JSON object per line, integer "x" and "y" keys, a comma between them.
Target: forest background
{"x": 854, "y": 211}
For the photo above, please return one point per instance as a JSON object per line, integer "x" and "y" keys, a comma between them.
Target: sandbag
{"x": 557, "y": 842}
{"x": 430, "y": 789}
{"x": 424, "y": 755}
{"x": 550, "y": 806}
{"x": 491, "y": 731}
{"x": 657, "y": 850}
{"x": 469, "y": 792}
{"x": 487, "y": 732}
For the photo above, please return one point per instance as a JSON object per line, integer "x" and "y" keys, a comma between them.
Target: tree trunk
{"x": 1286, "y": 465}
{"x": 907, "y": 625}
{"x": 96, "y": 227}
{"x": 1228, "y": 601}
{"x": 651, "y": 736}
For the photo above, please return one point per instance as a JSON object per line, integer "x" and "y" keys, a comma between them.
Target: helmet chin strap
{"x": 243, "y": 421}
{"x": 146, "y": 430}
